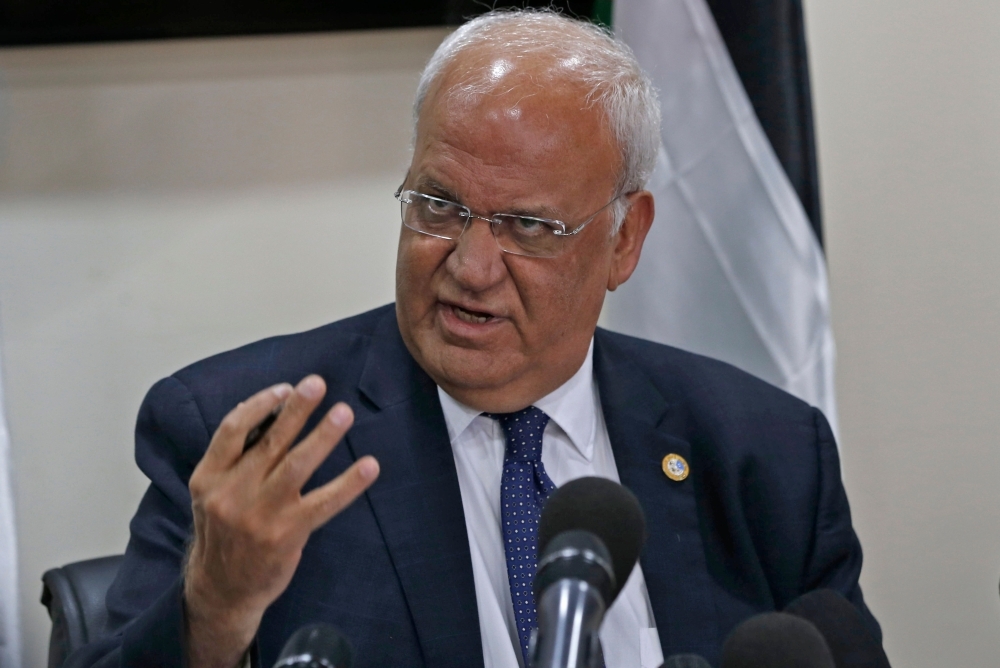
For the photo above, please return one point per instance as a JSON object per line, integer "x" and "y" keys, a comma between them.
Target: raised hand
{"x": 251, "y": 520}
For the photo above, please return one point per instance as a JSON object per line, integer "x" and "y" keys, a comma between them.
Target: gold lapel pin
{"x": 676, "y": 467}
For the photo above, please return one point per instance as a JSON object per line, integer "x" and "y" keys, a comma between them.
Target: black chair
{"x": 74, "y": 596}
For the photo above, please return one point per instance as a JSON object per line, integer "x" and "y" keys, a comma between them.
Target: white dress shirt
{"x": 575, "y": 444}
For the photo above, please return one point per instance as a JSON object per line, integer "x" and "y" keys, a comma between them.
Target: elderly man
{"x": 523, "y": 205}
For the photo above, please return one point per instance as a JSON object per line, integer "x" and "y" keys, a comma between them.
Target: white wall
{"x": 908, "y": 107}
{"x": 160, "y": 202}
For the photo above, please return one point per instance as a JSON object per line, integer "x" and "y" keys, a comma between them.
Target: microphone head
{"x": 851, "y": 642}
{"x": 578, "y": 555}
{"x": 316, "y": 646}
{"x": 601, "y": 507}
{"x": 776, "y": 640}
{"x": 686, "y": 661}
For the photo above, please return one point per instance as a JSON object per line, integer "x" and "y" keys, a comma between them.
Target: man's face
{"x": 498, "y": 331}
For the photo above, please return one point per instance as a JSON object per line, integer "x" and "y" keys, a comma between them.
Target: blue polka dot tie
{"x": 523, "y": 490}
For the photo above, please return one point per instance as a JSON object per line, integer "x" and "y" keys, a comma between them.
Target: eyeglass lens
{"x": 515, "y": 234}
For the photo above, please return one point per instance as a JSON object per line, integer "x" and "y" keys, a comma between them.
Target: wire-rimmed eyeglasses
{"x": 514, "y": 233}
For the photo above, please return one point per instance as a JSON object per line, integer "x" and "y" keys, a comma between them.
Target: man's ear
{"x": 628, "y": 242}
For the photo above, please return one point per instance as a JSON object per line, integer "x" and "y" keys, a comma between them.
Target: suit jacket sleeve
{"x": 835, "y": 558}
{"x": 145, "y": 609}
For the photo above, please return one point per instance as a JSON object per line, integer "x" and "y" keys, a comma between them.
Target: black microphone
{"x": 851, "y": 642}
{"x": 316, "y": 646}
{"x": 589, "y": 537}
{"x": 776, "y": 640}
{"x": 686, "y": 661}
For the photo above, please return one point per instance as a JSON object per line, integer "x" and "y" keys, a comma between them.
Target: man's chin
{"x": 459, "y": 369}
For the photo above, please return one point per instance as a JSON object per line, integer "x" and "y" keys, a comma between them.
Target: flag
{"x": 10, "y": 639}
{"x": 731, "y": 268}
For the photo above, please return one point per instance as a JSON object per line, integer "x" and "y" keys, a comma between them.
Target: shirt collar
{"x": 457, "y": 415}
{"x": 572, "y": 407}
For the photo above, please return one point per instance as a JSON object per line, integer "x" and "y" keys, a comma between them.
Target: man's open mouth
{"x": 474, "y": 317}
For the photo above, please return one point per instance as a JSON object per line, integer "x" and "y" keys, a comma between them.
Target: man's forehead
{"x": 520, "y": 100}
{"x": 495, "y": 123}
{"x": 490, "y": 69}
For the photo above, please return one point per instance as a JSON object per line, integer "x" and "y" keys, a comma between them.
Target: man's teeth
{"x": 470, "y": 317}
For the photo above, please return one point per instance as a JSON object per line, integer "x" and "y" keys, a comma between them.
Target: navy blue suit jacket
{"x": 762, "y": 518}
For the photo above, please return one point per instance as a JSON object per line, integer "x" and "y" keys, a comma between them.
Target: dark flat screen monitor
{"x": 27, "y": 22}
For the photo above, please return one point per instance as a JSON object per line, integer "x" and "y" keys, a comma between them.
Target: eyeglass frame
{"x": 494, "y": 223}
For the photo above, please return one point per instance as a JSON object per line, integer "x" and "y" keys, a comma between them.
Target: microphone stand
{"x": 573, "y": 610}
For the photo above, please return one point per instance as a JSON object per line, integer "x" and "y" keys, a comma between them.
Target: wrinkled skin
{"x": 251, "y": 519}
{"x": 532, "y": 148}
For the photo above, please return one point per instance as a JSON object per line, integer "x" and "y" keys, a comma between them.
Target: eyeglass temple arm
{"x": 591, "y": 219}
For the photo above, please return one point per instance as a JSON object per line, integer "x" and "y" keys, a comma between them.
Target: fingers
{"x": 286, "y": 471}
{"x": 299, "y": 464}
{"x": 318, "y": 506}
{"x": 227, "y": 442}
{"x": 321, "y": 504}
{"x": 299, "y": 405}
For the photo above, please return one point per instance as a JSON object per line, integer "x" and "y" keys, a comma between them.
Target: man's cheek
{"x": 424, "y": 256}
{"x": 409, "y": 271}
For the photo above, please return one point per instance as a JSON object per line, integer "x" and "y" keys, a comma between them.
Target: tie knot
{"x": 523, "y": 430}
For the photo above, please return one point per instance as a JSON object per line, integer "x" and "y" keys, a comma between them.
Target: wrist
{"x": 217, "y": 633}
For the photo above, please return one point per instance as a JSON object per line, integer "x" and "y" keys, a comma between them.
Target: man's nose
{"x": 477, "y": 261}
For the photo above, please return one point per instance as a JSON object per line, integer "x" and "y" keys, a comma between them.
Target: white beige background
{"x": 160, "y": 202}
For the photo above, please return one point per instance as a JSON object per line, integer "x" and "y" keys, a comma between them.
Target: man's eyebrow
{"x": 426, "y": 183}
{"x": 541, "y": 212}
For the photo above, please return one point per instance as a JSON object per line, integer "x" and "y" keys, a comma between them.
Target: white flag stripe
{"x": 10, "y": 638}
{"x": 732, "y": 268}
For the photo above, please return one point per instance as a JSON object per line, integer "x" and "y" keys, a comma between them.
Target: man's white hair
{"x": 580, "y": 51}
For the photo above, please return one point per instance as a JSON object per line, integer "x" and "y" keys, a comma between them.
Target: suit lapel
{"x": 643, "y": 428}
{"x": 417, "y": 500}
